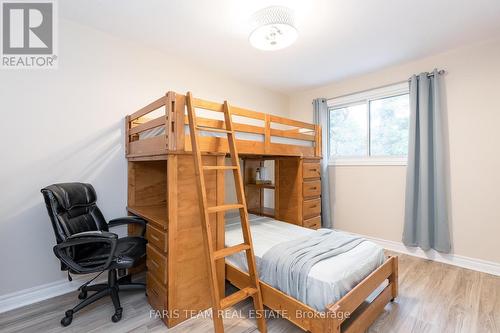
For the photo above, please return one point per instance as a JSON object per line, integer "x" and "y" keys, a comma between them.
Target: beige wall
{"x": 370, "y": 199}
{"x": 67, "y": 125}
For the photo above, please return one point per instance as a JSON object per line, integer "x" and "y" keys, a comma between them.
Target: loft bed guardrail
{"x": 161, "y": 128}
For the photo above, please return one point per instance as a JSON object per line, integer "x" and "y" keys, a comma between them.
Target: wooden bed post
{"x": 172, "y": 206}
{"x": 178, "y": 109}
{"x": 174, "y": 121}
{"x": 317, "y": 143}
{"x": 168, "y": 122}
{"x": 393, "y": 278}
{"x": 220, "y": 226}
{"x": 267, "y": 133}
{"x": 127, "y": 134}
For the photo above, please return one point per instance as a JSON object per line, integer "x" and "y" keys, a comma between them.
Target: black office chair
{"x": 85, "y": 245}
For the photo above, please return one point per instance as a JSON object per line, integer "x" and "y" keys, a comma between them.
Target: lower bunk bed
{"x": 344, "y": 292}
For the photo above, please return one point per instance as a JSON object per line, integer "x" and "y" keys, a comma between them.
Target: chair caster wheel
{"x": 67, "y": 319}
{"x": 82, "y": 294}
{"x": 117, "y": 316}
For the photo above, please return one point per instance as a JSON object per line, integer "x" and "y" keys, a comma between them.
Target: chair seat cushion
{"x": 129, "y": 251}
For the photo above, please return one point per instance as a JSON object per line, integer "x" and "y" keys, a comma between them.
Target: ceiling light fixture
{"x": 273, "y": 28}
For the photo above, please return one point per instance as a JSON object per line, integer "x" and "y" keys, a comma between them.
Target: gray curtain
{"x": 426, "y": 210}
{"x": 321, "y": 118}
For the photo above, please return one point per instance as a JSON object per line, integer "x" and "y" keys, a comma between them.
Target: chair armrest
{"x": 94, "y": 234}
{"x": 129, "y": 220}
{"x": 63, "y": 250}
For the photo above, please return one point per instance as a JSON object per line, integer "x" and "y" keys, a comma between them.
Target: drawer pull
{"x": 314, "y": 188}
{"x": 155, "y": 238}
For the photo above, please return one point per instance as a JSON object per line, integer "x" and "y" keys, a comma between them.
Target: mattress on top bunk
{"x": 160, "y": 130}
{"x": 239, "y": 135}
{"x": 329, "y": 280}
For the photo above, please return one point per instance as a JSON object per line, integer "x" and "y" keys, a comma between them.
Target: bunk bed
{"x": 162, "y": 190}
{"x": 256, "y": 131}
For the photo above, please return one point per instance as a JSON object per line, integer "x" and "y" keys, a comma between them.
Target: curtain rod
{"x": 431, "y": 74}
{"x": 441, "y": 71}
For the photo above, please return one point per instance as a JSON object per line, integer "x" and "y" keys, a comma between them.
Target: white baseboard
{"x": 39, "y": 293}
{"x": 452, "y": 259}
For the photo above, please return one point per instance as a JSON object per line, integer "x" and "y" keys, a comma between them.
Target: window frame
{"x": 366, "y": 97}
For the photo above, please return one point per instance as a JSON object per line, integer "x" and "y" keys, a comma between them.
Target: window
{"x": 370, "y": 127}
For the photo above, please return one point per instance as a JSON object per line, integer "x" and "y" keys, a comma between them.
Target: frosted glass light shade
{"x": 273, "y": 29}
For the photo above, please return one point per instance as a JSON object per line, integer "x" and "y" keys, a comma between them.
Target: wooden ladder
{"x": 253, "y": 290}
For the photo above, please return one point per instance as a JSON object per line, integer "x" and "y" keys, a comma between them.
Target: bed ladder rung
{"x": 237, "y": 297}
{"x": 223, "y": 208}
{"x": 219, "y": 167}
{"x": 213, "y": 129}
{"x": 228, "y": 251}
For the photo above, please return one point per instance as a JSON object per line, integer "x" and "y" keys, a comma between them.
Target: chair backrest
{"x": 72, "y": 209}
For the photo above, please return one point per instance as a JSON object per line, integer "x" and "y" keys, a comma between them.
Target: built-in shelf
{"x": 269, "y": 186}
{"x": 266, "y": 211}
{"x": 155, "y": 214}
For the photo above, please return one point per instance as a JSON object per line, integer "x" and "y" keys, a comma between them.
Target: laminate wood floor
{"x": 434, "y": 298}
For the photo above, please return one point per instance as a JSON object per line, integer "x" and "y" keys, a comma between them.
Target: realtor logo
{"x": 28, "y": 34}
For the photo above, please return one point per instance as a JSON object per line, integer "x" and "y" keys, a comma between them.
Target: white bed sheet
{"x": 329, "y": 280}
{"x": 239, "y": 135}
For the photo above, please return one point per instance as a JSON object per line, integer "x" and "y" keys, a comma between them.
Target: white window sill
{"x": 368, "y": 161}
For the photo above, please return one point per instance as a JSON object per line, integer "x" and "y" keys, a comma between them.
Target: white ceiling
{"x": 337, "y": 38}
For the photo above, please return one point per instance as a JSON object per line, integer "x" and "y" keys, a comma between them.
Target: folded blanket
{"x": 286, "y": 266}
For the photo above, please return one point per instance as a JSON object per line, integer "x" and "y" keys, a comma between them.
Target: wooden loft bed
{"x": 162, "y": 190}
{"x": 175, "y": 137}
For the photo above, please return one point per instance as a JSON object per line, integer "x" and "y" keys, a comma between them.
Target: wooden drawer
{"x": 313, "y": 223}
{"x": 157, "y": 238}
{"x": 311, "y": 188}
{"x": 311, "y": 170}
{"x": 156, "y": 264}
{"x": 311, "y": 208}
{"x": 157, "y": 294}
